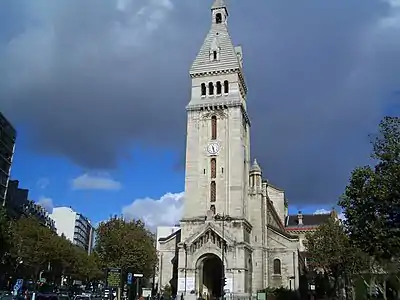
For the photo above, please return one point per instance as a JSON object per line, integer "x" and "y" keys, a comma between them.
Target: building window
{"x": 219, "y": 88}
{"x": 218, "y": 18}
{"x": 211, "y": 88}
{"x": 203, "y": 89}
{"x": 213, "y": 168}
{"x": 213, "y": 127}
{"x": 215, "y": 55}
{"x": 213, "y": 192}
{"x": 212, "y": 208}
{"x": 277, "y": 266}
{"x": 226, "y": 86}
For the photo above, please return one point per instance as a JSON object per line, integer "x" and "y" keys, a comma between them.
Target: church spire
{"x": 219, "y": 4}
{"x": 217, "y": 54}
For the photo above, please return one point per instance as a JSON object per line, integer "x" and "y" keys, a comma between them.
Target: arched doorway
{"x": 209, "y": 276}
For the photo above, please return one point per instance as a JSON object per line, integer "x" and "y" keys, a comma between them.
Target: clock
{"x": 213, "y": 148}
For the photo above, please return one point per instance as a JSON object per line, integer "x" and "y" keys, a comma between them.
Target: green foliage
{"x": 126, "y": 245}
{"x": 5, "y": 241}
{"x": 371, "y": 202}
{"x": 32, "y": 244}
{"x": 332, "y": 253}
{"x": 167, "y": 292}
{"x": 35, "y": 247}
{"x": 280, "y": 293}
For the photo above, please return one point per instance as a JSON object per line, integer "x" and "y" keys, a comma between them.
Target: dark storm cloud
{"x": 91, "y": 78}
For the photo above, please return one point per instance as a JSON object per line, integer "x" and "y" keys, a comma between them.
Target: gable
{"x": 272, "y": 215}
{"x": 277, "y": 239}
{"x": 208, "y": 230}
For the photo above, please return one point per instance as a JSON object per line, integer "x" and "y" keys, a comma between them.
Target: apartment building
{"x": 74, "y": 226}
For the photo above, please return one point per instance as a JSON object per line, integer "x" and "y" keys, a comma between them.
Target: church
{"x": 235, "y": 236}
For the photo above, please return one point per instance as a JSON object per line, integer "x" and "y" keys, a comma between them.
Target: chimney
{"x": 299, "y": 218}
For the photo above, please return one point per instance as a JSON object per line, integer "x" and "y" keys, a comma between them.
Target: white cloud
{"x": 43, "y": 183}
{"x": 324, "y": 211}
{"x": 101, "y": 181}
{"x": 46, "y": 203}
{"x": 166, "y": 211}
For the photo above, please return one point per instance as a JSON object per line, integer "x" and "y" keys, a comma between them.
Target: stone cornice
{"x": 220, "y": 105}
{"x": 193, "y": 219}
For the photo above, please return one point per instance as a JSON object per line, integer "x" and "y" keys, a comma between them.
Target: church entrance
{"x": 210, "y": 276}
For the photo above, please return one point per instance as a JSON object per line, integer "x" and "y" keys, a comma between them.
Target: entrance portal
{"x": 210, "y": 276}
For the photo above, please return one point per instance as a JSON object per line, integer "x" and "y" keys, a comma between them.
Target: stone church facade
{"x": 235, "y": 234}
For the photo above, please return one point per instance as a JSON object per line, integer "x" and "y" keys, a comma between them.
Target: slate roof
{"x": 309, "y": 220}
{"x": 228, "y": 59}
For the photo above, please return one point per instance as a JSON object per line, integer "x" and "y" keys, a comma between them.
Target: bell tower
{"x": 218, "y": 139}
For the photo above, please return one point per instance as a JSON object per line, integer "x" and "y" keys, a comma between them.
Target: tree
{"x": 5, "y": 240}
{"x": 32, "y": 245}
{"x": 371, "y": 201}
{"x": 126, "y": 245}
{"x": 333, "y": 255}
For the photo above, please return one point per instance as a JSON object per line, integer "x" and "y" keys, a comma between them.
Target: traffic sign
{"x": 129, "y": 279}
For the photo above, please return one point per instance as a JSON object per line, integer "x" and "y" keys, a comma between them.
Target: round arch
{"x": 209, "y": 275}
{"x": 201, "y": 253}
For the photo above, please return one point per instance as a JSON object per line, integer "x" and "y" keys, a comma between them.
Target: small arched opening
{"x": 212, "y": 209}
{"x": 219, "y": 88}
{"x": 213, "y": 127}
{"x": 203, "y": 89}
{"x": 215, "y": 55}
{"x": 213, "y": 192}
{"x": 226, "y": 86}
{"x": 277, "y": 266}
{"x": 218, "y": 18}
{"x": 211, "y": 88}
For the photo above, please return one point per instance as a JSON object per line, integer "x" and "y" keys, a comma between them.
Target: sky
{"x": 97, "y": 91}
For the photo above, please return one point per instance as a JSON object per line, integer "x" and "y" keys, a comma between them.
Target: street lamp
{"x": 185, "y": 248}
{"x": 223, "y": 218}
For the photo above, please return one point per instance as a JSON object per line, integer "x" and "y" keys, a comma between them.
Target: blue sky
{"x": 97, "y": 91}
{"x": 151, "y": 176}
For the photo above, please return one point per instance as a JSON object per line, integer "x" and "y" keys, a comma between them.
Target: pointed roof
{"x": 228, "y": 58}
{"x": 255, "y": 167}
{"x": 218, "y": 4}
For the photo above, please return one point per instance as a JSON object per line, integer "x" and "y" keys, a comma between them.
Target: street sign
{"x": 137, "y": 275}
{"x": 18, "y": 285}
{"x": 129, "y": 279}
{"x": 113, "y": 278}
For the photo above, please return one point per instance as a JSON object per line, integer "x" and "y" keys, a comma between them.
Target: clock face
{"x": 213, "y": 148}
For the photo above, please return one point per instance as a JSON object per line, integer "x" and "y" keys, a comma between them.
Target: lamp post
{"x": 185, "y": 248}
{"x": 223, "y": 218}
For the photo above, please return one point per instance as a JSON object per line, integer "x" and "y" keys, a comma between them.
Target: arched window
{"x": 215, "y": 55}
{"x": 219, "y": 88}
{"x": 213, "y": 168}
{"x": 212, "y": 208}
{"x": 277, "y": 266}
{"x": 218, "y": 18}
{"x": 213, "y": 127}
{"x": 226, "y": 86}
{"x": 211, "y": 88}
{"x": 213, "y": 192}
{"x": 203, "y": 89}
